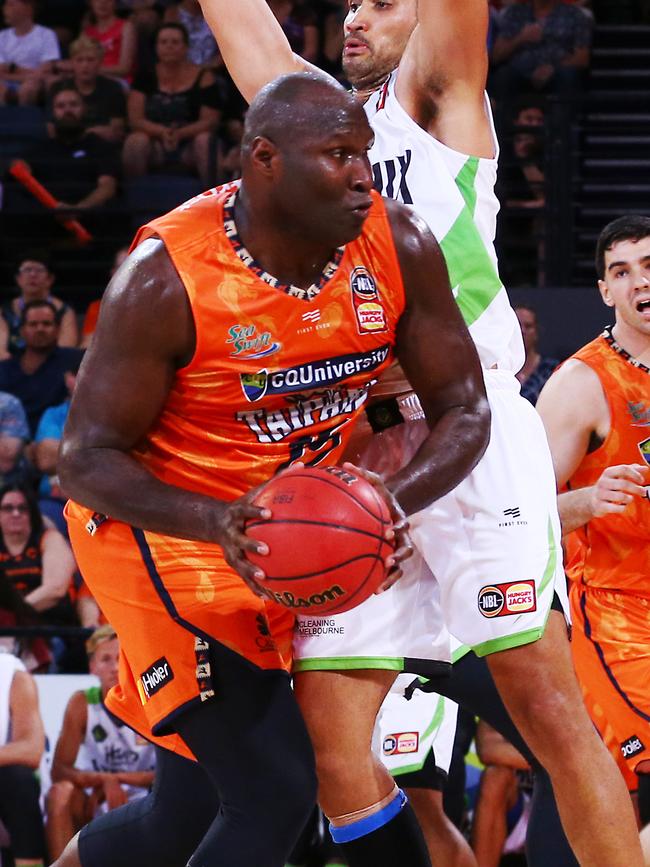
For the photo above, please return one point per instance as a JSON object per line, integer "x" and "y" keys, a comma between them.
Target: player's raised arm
{"x": 441, "y": 362}
{"x": 145, "y": 333}
{"x": 252, "y": 43}
{"x": 443, "y": 71}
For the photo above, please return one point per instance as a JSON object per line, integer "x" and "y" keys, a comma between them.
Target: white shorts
{"x": 493, "y": 544}
{"x": 409, "y": 729}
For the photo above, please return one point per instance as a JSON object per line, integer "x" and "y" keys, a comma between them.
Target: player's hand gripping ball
{"x": 326, "y": 538}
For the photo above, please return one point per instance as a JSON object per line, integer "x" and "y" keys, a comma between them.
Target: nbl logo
{"x": 490, "y": 601}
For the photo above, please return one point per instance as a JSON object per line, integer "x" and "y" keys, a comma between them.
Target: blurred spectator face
{"x": 170, "y": 46}
{"x": 102, "y": 8}
{"x": 375, "y": 38}
{"x": 68, "y": 113}
{"x": 528, "y": 324}
{"x": 34, "y": 280}
{"x": 14, "y": 514}
{"x": 104, "y": 663}
{"x": 16, "y": 12}
{"x": 40, "y": 330}
{"x": 85, "y": 66}
{"x": 528, "y": 144}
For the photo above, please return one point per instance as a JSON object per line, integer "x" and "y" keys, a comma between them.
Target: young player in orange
{"x": 203, "y": 380}
{"x": 596, "y": 409}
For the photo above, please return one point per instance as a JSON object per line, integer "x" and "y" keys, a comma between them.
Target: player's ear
{"x": 262, "y": 153}
{"x": 605, "y": 293}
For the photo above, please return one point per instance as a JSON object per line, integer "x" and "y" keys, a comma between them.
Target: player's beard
{"x": 368, "y": 73}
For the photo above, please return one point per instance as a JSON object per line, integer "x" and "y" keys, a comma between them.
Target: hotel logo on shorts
{"x": 500, "y": 600}
{"x": 644, "y": 448}
{"x": 401, "y": 743}
{"x": 371, "y": 318}
{"x": 158, "y": 674}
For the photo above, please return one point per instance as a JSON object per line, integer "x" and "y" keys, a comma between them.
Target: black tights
{"x": 246, "y": 801}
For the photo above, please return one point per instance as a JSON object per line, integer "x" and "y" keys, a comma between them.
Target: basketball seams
{"x": 339, "y": 487}
{"x": 333, "y": 567}
{"x": 305, "y": 521}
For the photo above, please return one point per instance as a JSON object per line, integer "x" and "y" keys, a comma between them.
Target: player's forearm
{"x": 113, "y": 483}
{"x": 81, "y": 779}
{"x": 454, "y": 446}
{"x": 252, "y": 43}
{"x": 575, "y": 508}
{"x": 26, "y": 752}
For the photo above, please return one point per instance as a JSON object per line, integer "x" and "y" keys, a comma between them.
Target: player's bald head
{"x": 297, "y": 106}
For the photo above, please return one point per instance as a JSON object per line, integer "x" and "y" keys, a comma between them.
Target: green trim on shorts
{"x": 507, "y": 642}
{"x": 460, "y": 652}
{"x": 349, "y": 663}
{"x": 437, "y": 718}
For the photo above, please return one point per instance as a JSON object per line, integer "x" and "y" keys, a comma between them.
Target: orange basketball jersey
{"x": 279, "y": 372}
{"x": 613, "y": 552}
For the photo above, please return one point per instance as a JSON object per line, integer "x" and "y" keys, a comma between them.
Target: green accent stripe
{"x": 466, "y": 180}
{"x": 94, "y": 695}
{"x": 472, "y": 273}
{"x": 551, "y": 565}
{"x": 348, "y": 663}
{"x": 438, "y": 717}
{"x": 460, "y": 652}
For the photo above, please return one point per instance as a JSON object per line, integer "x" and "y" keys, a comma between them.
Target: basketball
{"x": 326, "y": 540}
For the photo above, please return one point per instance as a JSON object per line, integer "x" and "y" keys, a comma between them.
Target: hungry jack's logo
{"x": 371, "y": 317}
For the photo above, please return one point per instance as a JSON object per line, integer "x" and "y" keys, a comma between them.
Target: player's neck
{"x": 23, "y": 27}
{"x": 633, "y": 341}
{"x": 363, "y": 90}
{"x": 281, "y": 250}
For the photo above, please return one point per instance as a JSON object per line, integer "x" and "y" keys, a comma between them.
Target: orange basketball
{"x": 325, "y": 537}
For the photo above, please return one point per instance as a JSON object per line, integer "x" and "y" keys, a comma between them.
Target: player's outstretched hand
{"x": 397, "y": 534}
{"x": 236, "y": 543}
{"x": 617, "y": 487}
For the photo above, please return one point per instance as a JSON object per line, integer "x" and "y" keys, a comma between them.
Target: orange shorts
{"x": 166, "y": 598}
{"x": 611, "y": 654}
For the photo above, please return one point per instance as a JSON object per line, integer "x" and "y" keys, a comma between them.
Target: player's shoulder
{"x": 410, "y": 231}
{"x": 574, "y": 389}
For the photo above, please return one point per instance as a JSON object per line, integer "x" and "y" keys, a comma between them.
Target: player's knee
{"x": 59, "y": 798}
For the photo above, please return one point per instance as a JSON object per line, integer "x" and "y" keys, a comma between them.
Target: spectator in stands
{"x": 22, "y": 741}
{"x": 46, "y": 451}
{"x": 335, "y": 13}
{"x": 36, "y": 375}
{"x": 28, "y": 53}
{"x": 524, "y": 181}
{"x": 35, "y": 560}
{"x": 202, "y": 48}
{"x": 79, "y": 168}
{"x": 14, "y": 433}
{"x": 172, "y": 111}
{"x": 541, "y": 45}
{"x": 117, "y": 37}
{"x": 495, "y": 829}
{"x": 33, "y": 651}
{"x": 117, "y": 765}
{"x": 103, "y": 97}
{"x": 537, "y": 368}
{"x": 299, "y": 25}
{"x": 229, "y": 151}
{"x": 92, "y": 314}
{"x": 34, "y": 279}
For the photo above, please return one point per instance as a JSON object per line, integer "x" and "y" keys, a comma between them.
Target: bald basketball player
{"x": 165, "y": 443}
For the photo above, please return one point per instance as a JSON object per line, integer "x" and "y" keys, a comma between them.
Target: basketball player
{"x": 596, "y": 409}
{"x": 494, "y": 543}
{"x": 167, "y": 438}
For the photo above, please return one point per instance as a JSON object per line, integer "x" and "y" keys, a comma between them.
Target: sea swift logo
{"x": 247, "y": 342}
{"x": 158, "y": 674}
{"x": 314, "y": 374}
{"x": 640, "y": 413}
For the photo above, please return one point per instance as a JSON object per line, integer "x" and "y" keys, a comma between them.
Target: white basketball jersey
{"x": 112, "y": 747}
{"x": 454, "y": 194}
{"x": 9, "y": 665}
